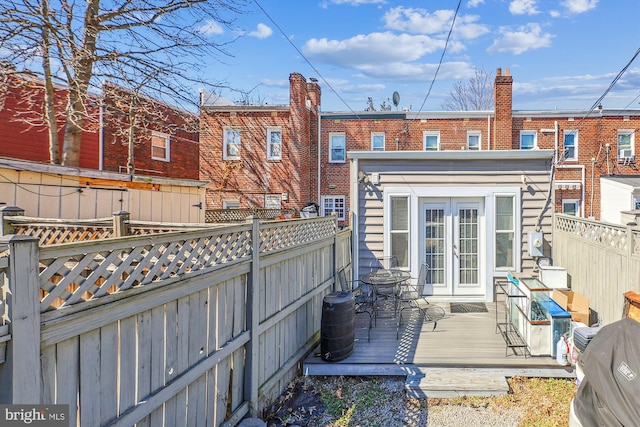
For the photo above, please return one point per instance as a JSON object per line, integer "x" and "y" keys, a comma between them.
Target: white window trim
{"x": 535, "y": 138}
{"x": 270, "y": 130}
{"x": 631, "y": 134}
{"x": 516, "y": 227}
{"x": 475, "y": 133}
{"x": 167, "y": 138}
{"x": 384, "y": 140}
{"x": 225, "y": 150}
{"x": 576, "y": 203}
{"x": 427, "y": 133}
{"x": 344, "y": 136}
{"x": 575, "y": 143}
{"x": 344, "y": 207}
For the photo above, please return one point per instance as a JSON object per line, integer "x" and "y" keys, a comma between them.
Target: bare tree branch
{"x": 474, "y": 94}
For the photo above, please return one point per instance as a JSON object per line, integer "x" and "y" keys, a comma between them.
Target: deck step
{"x": 455, "y": 382}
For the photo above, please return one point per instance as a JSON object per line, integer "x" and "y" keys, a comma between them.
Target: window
{"x": 528, "y": 140}
{"x": 473, "y": 140}
{"x": 160, "y": 146}
{"x": 231, "y": 144}
{"x": 274, "y": 144}
{"x": 431, "y": 141}
{"x": 377, "y": 141}
{"x": 331, "y": 204}
{"x": 625, "y": 144}
{"x": 571, "y": 145}
{"x": 399, "y": 230}
{"x": 337, "y": 148}
{"x": 570, "y": 206}
{"x": 230, "y": 204}
{"x": 505, "y": 222}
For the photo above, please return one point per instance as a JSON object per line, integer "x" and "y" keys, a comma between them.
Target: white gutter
{"x": 488, "y": 131}
{"x": 354, "y": 217}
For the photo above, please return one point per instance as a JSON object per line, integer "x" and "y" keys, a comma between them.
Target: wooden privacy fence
{"x": 186, "y": 328}
{"x": 55, "y": 231}
{"x": 602, "y": 261}
{"x": 236, "y": 215}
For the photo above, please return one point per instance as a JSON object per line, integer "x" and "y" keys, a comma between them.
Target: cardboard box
{"x": 576, "y": 304}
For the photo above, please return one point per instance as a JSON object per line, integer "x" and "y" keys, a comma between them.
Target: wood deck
{"x": 460, "y": 340}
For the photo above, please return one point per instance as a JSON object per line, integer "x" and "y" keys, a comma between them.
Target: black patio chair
{"x": 363, "y": 298}
{"x": 412, "y": 294}
{"x": 386, "y": 263}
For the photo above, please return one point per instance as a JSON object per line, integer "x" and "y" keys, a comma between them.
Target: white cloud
{"x": 528, "y": 37}
{"x": 325, "y": 4}
{"x": 210, "y": 28}
{"x": 523, "y": 7}
{"x": 580, "y": 6}
{"x": 262, "y": 31}
{"x": 474, "y": 3}
{"x": 374, "y": 48}
{"x": 420, "y": 21}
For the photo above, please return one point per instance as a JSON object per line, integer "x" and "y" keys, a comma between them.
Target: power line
{"x": 441, "y": 57}
{"x": 304, "y": 57}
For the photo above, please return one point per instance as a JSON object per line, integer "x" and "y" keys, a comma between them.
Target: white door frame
{"x": 416, "y": 220}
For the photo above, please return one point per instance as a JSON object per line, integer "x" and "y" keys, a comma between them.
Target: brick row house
{"x": 471, "y": 192}
{"x": 158, "y": 182}
{"x": 262, "y": 156}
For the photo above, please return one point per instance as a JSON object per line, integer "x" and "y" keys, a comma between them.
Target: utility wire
{"x": 304, "y": 57}
{"x": 441, "y": 58}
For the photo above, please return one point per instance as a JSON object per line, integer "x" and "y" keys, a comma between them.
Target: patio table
{"x": 385, "y": 282}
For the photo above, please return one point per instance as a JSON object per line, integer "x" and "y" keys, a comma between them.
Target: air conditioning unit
{"x": 626, "y": 156}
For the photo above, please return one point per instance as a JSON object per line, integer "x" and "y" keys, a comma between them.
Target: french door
{"x": 452, "y": 245}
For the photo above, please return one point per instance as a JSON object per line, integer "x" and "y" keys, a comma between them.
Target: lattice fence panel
{"x": 277, "y": 235}
{"x": 73, "y": 275}
{"x": 608, "y": 235}
{"x": 53, "y": 234}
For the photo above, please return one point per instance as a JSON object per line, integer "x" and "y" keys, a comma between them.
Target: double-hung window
{"x": 337, "y": 148}
{"x": 625, "y": 144}
{"x": 331, "y": 204}
{"x": 399, "y": 229}
{"x": 274, "y": 143}
{"x": 528, "y": 140}
{"x": 431, "y": 140}
{"x": 473, "y": 140}
{"x": 505, "y": 223}
{"x": 571, "y": 145}
{"x": 377, "y": 141}
{"x": 160, "y": 146}
{"x": 231, "y": 145}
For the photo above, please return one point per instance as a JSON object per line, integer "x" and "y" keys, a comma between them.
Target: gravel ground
{"x": 377, "y": 402}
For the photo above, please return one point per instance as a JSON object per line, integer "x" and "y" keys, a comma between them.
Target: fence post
{"x": 121, "y": 224}
{"x": 252, "y": 366}
{"x": 20, "y": 374}
{"x": 6, "y": 212}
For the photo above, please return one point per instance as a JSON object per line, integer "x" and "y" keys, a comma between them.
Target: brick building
{"x": 262, "y": 156}
{"x": 165, "y": 138}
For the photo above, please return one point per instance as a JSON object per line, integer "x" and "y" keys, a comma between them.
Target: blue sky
{"x": 562, "y": 54}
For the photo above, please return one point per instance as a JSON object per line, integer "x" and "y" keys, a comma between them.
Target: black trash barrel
{"x": 338, "y": 327}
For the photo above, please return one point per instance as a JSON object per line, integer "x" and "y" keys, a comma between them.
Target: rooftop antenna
{"x": 396, "y": 99}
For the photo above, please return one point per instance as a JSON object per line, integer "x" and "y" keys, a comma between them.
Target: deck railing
{"x": 197, "y": 327}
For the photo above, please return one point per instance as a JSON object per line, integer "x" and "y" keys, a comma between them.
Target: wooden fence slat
{"x": 68, "y": 374}
{"x": 108, "y": 372}
{"x": 128, "y": 362}
{"x": 171, "y": 354}
{"x": 158, "y": 348}
{"x": 89, "y": 377}
{"x": 182, "y": 358}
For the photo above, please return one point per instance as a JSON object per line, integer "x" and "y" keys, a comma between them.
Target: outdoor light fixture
{"x": 363, "y": 178}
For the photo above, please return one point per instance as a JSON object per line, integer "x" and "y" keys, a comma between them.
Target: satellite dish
{"x": 396, "y": 98}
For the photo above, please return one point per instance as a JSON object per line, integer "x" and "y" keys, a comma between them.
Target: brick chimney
{"x": 503, "y": 129}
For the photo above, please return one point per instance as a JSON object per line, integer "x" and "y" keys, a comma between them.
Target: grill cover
{"x": 609, "y": 395}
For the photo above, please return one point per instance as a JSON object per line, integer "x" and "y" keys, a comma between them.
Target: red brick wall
{"x": 30, "y": 141}
{"x": 503, "y": 111}
{"x": 182, "y": 127}
{"x": 253, "y": 176}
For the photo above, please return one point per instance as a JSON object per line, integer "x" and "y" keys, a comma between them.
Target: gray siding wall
{"x": 455, "y": 173}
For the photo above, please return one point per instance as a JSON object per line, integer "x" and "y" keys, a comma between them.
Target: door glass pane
{"x": 468, "y": 242}
{"x": 435, "y": 244}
